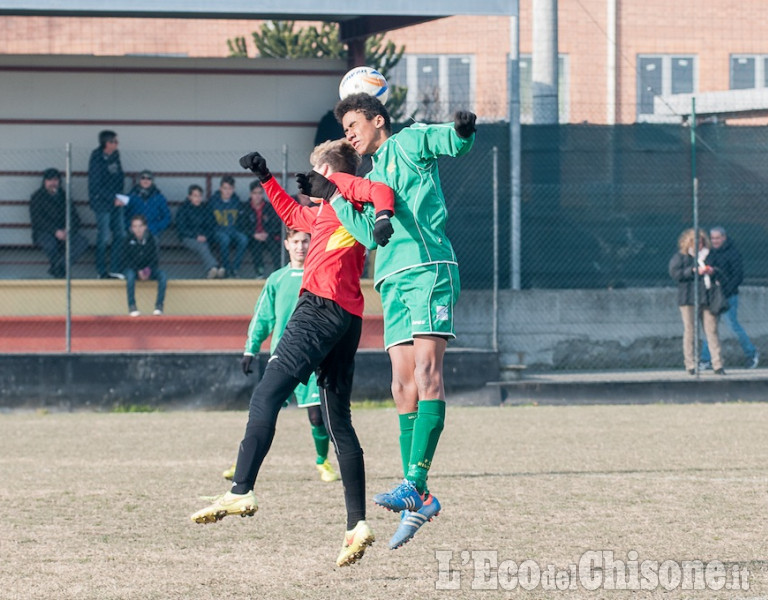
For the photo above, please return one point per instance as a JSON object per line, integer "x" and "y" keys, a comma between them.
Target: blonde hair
{"x": 685, "y": 241}
{"x": 339, "y": 155}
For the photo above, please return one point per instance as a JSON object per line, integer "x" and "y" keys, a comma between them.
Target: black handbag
{"x": 716, "y": 300}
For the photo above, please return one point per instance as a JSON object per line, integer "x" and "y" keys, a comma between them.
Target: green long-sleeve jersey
{"x": 407, "y": 162}
{"x": 274, "y": 307}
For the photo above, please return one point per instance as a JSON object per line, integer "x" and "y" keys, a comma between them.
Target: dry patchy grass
{"x": 96, "y": 506}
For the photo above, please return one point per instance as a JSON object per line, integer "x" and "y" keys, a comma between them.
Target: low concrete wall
{"x": 201, "y": 381}
{"x": 598, "y": 329}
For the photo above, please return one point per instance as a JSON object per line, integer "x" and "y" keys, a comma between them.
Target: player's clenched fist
{"x": 257, "y": 164}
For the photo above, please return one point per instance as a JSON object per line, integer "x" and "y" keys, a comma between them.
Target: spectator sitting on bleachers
{"x": 260, "y": 223}
{"x": 146, "y": 199}
{"x": 225, "y": 206}
{"x": 194, "y": 226}
{"x": 142, "y": 262}
{"x": 48, "y": 215}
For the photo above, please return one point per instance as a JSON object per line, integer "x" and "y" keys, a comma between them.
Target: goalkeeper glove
{"x": 257, "y": 164}
{"x": 315, "y": 185}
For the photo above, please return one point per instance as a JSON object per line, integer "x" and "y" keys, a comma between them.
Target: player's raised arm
{"x": 293, "y": 214}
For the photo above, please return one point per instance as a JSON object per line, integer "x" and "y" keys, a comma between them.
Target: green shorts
{"x": 307, "y": 395}
{"x": 419, "y": 301}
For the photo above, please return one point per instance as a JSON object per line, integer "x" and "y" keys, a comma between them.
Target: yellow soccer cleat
{"x": 227, "y": 504}
{"x": 326, "y": 471}
{"x": 230, "y": 473}
{"x": 355, "y": 543}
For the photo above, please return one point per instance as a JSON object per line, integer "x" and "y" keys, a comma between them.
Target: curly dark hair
{"x": 366, "y": 104}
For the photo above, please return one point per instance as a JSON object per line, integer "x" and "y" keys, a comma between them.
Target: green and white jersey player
{"x": 273, "y": 309}
{"x": 417, "y": 275}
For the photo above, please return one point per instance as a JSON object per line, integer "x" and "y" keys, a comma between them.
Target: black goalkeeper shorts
{"x": 320, "y": 337}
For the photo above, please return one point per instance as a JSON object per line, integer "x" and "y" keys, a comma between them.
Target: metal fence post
{"x": 67, "y": 246}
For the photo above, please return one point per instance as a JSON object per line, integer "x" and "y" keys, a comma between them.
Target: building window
{"x": 526, "y": 88}
{"x": 749, "y": 71}
{"x": 660, "y": 75}
{"x": 438, "y": 85}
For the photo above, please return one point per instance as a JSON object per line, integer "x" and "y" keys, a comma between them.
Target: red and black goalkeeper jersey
{"x": 335, "y": 260}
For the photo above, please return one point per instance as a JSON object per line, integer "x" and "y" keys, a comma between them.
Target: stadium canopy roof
{"x": 356, "y": 18}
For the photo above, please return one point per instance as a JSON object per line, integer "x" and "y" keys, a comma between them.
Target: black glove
{"x": 257, "y": 164}
{"x": 464, "y": 123}
{"x": 382, "y": 228}
{"x": 245, "y": 364}
{"x": 315, "y": 185}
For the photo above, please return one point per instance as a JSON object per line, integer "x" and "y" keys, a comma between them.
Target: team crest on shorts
{"x": 442, "y": 313}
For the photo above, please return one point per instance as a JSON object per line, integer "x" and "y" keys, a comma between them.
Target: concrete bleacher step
{"x": 199, "y": 315}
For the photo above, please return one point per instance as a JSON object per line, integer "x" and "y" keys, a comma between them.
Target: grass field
{"x": 96, "y": 506}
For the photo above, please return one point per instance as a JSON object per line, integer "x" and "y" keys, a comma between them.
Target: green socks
{"x": 406, "y": 437}
{"x": 320, "y": 435}
{"x": 427, "y": 428}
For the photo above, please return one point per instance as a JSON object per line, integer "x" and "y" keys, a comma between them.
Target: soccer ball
{"x": 364, "y": 79}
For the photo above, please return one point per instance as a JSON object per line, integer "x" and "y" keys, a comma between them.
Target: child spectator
{"x": 225, "y": 206}
{"x": 194, "y": 226}
{"x": 263, "y": 228}
{"x": 141, "y": 261}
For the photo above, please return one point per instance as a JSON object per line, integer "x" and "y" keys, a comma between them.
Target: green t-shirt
{"x": 274, "y": 308}
{"x": 407, "y": 162}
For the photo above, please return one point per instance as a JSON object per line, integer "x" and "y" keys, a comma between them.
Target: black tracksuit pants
{"x": 320, "y": 337}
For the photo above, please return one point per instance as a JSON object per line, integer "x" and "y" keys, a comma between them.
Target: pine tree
{"x": 280, "y": 39}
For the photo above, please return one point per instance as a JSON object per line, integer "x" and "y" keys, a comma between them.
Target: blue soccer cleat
{"x": 411, "y": 522}
{"x": 404, "y": 496}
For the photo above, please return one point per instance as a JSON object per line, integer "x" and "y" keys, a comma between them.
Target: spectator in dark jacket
{"x": 105, "y": 181}
{"x": 725, "y": 259}
{"x": 225, "y": 206}
{"x": 194, "y": 226}
{"x": 142, "y": 262}
{"x": 48, "y": 215}
{"x": 146, "y": 199}
{"x": 260, "y": 223}
{"x": 683, "y": 267}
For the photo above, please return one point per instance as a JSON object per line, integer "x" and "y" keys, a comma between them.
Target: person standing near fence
{"x": 725, "y": 260}
{"x": 105, "y": 181}
{"x": 48, "y": 216}
{"x": 417, "y": 275}
{"x": 683, "y": 267}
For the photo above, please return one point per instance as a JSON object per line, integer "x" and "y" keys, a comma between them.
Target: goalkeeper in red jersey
{"x": 321, "y": 337}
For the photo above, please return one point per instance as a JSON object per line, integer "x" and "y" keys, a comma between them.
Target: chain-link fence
{"x": 602, "y": 206}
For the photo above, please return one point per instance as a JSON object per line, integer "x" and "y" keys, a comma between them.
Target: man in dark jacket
{"x": 141, "y": 261}
{"x": 105, "y": 181}
{"x": 725, "y": 259}
{"x": 48, "y": 215}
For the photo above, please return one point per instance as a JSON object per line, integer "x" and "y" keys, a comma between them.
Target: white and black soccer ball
{"x": 364, "y": 80}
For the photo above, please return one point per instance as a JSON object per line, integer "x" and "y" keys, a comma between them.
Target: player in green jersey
{"x": 272, "y": 311}
{"x": 417, "y": 275}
